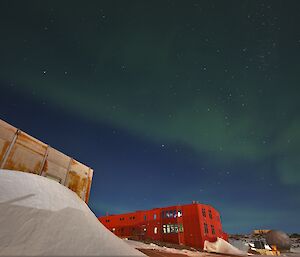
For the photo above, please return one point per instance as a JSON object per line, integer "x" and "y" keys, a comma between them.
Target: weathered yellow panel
{"x": 77, "y": 179}
{"x": 56, "y": 165}
{"x": 20, "y": 151}
{"x": 7, "y": 133}
{"x": 26, "y": 155}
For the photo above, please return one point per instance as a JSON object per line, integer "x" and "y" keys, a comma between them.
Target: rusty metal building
{"x": 22, "y": 152}
{"x": 189, "y": 224}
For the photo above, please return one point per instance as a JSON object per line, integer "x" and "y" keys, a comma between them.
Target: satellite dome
{"x": 280, "y": 239}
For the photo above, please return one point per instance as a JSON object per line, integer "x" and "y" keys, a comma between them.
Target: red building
{"x": 189, "y": 224}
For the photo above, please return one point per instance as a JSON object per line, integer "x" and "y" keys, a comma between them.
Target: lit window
{"x": 155, "y": 230}
{"x": 172, "y": 228}
{"x": 180, "y": 228}
{"x": 179, "y": 214}
{"x": 154, "y": 216}
{"x": 171, "y": 214}
{"x": 175, "y": 214}
{"x": 164, "y": 229}
{"x": 167, "y": 214}
{"x": 168, "y": 229}
{"x": 176, "y": 228}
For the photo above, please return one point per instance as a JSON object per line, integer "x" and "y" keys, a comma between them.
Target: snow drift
{"x": 39, "y": 216}
{"x": 223, "y": 247}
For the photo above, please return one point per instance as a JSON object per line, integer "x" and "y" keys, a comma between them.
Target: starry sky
{"x": 168, "y": 101}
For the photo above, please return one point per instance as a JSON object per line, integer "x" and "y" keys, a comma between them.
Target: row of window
{"x": 171, "y": 214}
{"x": 204, "y": 213}
{"x": 172, "y": 228}
{"x": 168, "y": 214}
{"x": 206, "y": 229}
{"x": 154, "y": 216}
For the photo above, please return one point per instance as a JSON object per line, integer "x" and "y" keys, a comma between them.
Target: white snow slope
{"x": 39, "y": 216}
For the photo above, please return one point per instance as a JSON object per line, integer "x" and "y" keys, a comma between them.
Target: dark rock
{"x": 280, "y": 239}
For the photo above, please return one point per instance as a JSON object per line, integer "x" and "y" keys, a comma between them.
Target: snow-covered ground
{"x": 241, "y": 244}
{"x": 38, "y": 216}
{"x": 141, "y": 245}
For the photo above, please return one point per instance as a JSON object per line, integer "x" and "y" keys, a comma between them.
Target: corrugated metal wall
{"x": 22, "y": 152}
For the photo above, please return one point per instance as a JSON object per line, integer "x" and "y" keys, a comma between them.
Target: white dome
{"x": 39, "y": 216}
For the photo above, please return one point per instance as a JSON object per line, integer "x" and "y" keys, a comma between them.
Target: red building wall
{"x": 189, "y": 224}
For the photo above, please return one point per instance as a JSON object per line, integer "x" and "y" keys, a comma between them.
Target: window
{"x": 154, "y": 216}
{"x": 145, "y": 217}
{"x": 122, "y": 218}
{"x": 205, "y": 228}
{"x": 171, "y": 214}
{"x": 175, "y": 214}
{"x": 155, "y": 230}
{"x": 164, "y": 229}
{"x": 180, "y": 228}
{"x": 209, "y": 214}
{"x": 168, "y": 229}
{"x": 163, "y": 214}
{"x": 176, "y": 228}
{"x": 203, "y": 212}
{"x": 107, "y": 220}
{"x": 213, "y": 229}
{"x": 179, "y": 214}
{"x": 167, "y": 214}
{"x": 172, "y": 228}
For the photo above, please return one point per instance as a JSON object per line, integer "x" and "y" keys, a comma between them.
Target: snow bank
{"x": 221, "y": 246}
{"x": 39, "y": 216}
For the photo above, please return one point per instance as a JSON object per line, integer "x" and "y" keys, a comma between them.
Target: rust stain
{"x": 23, "y": 138}
{"x": 3, "y": 150}
{"x": 37, "y": 167}
{"x": 87, "y": 195}
{"x": 82, "y": 184}
{"x": 73, "y": 181}
{"x": 45, "y": 168}
{"x": 11, "y": 165}
{"x": 77, "y": 183}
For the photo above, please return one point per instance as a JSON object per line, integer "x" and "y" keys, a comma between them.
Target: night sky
{"x": 168, "y": 101}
